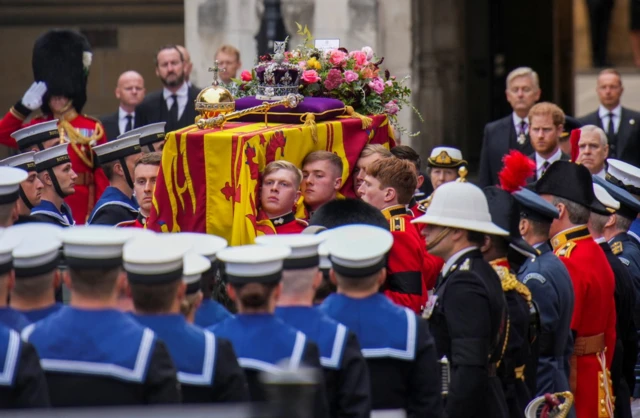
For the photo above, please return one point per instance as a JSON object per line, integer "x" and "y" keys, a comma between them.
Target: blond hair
{"x": 229, "y": 49}
{"x": 274, "y": 166}
{"x": 372, "y": 149}
{"x": 523, "y": 72}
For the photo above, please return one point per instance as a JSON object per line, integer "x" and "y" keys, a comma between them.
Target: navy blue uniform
{"x": 35, "y": 315}
{"x": 399, "y": 350}
{"x": 113, "y": 208}
{"x": 208, "y": 369}
{"x": 550, "y": 284}
{"x": 13, "y": 319}
{"x": 345, "y": 369}
{"x": 262, "y": 342}
{"x": 102, "y": 357}
{"x": 210, "y": 313}
{"x": 22, "y": 382}
{"x": 48, "y": 212}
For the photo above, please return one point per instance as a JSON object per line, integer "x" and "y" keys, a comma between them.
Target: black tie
{"x": 173, "y": 113}
{"x": 611, "y": 136}
{"x": 545, "y": 165}
{"x": 129, "y": 123}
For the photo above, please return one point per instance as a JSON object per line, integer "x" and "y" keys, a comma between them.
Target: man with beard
{"x": 175, "y": 103}
{"x": 547, "y": 121}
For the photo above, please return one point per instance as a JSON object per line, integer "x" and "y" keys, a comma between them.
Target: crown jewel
{"x": 276, "y": 78}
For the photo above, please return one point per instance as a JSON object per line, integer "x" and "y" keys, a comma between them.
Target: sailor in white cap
{"x": 210, "y": 311}
{"x": 36, "y": 262}
{"x": 37, "y": 137}
{"x": 117, "y": 159}
{"x": 132, "y": 366}
{"x": 9, "y": 317}
{"x": 262, "y": 342}
{"x": 57, "y": 176}
{"x": 345, "y": 370}
{"x": 162, "y": 275}
{"x": 151, "y": 136}
{"x": 395, "y": 342}
{"x": 30, "y": 188}
{"x": 10, "y": 179}
{"x": 467, "y": 313}
{"x": 627, "y": 177}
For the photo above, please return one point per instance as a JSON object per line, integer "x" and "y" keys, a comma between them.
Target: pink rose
{"x": 350, "y": 76}
{"x": 310, "y": 76}
{"x": 302, "y": 64}
{"x": 334, "y": 79}
{"x": 389, "y": 83}
{"x": 359, "y": 57}
{"x": 391, "y": 108}
{"x": 368, "y": 51}
{"x": 377, "y": 85}
{"x": 246, "y": 76}
{"x": 337, "y": 57}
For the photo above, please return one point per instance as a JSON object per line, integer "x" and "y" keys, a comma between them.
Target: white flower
{"x": 369, "y": 51}
{"x": 86, "y": 59}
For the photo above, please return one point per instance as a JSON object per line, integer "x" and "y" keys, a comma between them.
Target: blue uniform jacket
{"x": 35, "y": 315}
{"x": 123, "y": 208}
{"x": 210, "y": 313}
{"x": 48, "y": 212}
{"x": 13, "y": 319}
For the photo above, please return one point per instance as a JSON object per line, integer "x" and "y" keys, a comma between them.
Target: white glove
{"x": 32, "y": 99}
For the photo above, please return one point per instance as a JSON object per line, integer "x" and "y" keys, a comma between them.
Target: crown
{"x": 276, "y": 78}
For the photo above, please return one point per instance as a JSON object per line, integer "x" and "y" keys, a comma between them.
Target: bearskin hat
{"x": 61, "y": 58}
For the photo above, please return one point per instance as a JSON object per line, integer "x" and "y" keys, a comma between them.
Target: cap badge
{"x": 443, "y": 158}
{"x": 466, "y": 265}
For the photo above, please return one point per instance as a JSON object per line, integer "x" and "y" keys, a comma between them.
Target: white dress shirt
{"x": 517, "y": 120}
{"x": 602, "y": 174}
{"x": 540, "y": 161}
{"x": 603, "y": 112}
{"x": 122, "y": 119}
{"x": 183, "y": 97}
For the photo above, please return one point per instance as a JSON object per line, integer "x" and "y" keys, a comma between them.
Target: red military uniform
{"x": 288, "y": 224}
{"x": 417, "y": 209}
{"x": 410, "y": 269}
{"x": 139, "y": 222}
{"x": 593, "y": 321}
{"x": 91, "y": 180}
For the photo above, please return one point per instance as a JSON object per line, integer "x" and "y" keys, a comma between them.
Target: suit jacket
{"x": 154, "y": 109}
{"x": 563, "y": 157}
{"x": 499, "y": 138}
{"x": 627, "y": 138}
{"x": 111, "y": 126}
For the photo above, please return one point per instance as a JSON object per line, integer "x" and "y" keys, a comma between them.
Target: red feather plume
{"x": 573, "y": 140}
{"x": 516, "y": 169}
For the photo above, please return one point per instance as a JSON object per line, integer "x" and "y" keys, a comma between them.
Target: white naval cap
{"x": 446, "y": 157}
{"x": 7, "y": 245}
{"x": 51, "y": 157}
{"x": 192, "y": 269}
{"x": 23, "y": 161}
{"x": 39, "y": 249}
{"x": 358, "y": 250}
{"x": 154, "y": 260}
{"x": 204, "y": 244}
{"x": 623, "y": 175}
{"x": 35, "y": 135}
{"x": 94, "y": 246}
{"x": 304, "y": 249}
{"x": 118, "y": 148}
{"x": 603, "y": 196}
{"x": 323, "y": 252}
{"x": 254, "y": 263}
{"x": 10, "y": 179}
{"x": 149, "y": 135}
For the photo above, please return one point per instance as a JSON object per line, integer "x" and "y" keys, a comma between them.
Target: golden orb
{"x": 215, "y": 99}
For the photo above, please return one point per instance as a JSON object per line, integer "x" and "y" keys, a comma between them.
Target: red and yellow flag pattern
{"x": 209, "y": 180}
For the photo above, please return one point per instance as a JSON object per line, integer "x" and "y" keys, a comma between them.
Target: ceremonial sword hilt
{"x": 445, "y": 375}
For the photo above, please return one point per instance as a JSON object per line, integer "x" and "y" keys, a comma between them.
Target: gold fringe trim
{"x": 310, "y": 122}
{"x": 351, "y": 113}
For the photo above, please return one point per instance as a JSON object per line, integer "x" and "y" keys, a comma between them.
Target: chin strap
{"x": 127, "y": 175}
{"x": 25, "y": 200}
{"x": 438, "y": 239}
{"x": 56, "y": 185}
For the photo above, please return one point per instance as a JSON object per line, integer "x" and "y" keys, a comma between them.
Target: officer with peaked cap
{"x": 132, "y": 366}
{"x": 30, "y": 189}
{"x": 158, "y": 270}
{"x": 345, "y": 370}
{"x": 117, "y": 205}
{"x": 624, "y": 358}
{"x": 395, "y": 342}
{"x": 627, "y": 177}
{"x": 467, "y": 313}
{"x": 210, "y": 312}
{"x": 9, "y": 317}
{"x": 550, "y": 285}
{"x": 262, "y": 342}
{"x": 151, "y": 136}
{"x": 10, "y": 179}
{"x": 57, "y": 176}
{"x": 569, "y": 187}
{"x": 36, "y": 261}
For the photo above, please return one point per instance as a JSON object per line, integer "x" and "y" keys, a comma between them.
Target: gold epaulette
{"x": 510, "y": 282}
{"x": 616, "y": 247}
{"x": 565, "y": 250}
{"x": 397, "y": 223}
{"x": 96, "y": 120}
{"x": 425, "y": 202}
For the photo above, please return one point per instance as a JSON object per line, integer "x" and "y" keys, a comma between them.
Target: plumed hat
{"x": 61, "y": 58}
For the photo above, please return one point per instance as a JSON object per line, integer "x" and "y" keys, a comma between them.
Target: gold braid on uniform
{"x": 78, "y": 141}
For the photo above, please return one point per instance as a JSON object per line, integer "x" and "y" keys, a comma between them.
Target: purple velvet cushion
{"x": 322, "y": 108}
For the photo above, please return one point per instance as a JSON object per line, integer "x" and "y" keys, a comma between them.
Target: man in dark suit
{"x": 547, "y": 124}
{"x": 175, "y": 103}
{"x": 510, "y": 132}
{"x": 619, "y": 123}
{"x": 130, "y": 91}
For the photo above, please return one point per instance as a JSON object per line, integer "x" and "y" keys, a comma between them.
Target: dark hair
{"x": 254, "y": 295}
{"x": 94, "y": 283}
{"x": 108, "y": 168}
{"x": 167, "y": 46}
{"x": 405, "y": 152}
{"x": 150, "y": 158}
{"x": 539, "y": 228}
{"x": 500, "y": 244}
{"x": 325, "y": 289}
{"x": 356, "y": 283}
{"x": 154, "y": 298}
{"x": 36, "y": 287}
{"x": 476, "y": 238}
{"x": 347, "y": 212}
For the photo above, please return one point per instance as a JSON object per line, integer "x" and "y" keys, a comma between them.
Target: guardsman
{"x": 30, "y": 189}
{"x": 132, "y": 365}
{"x": 569, "y": 188}
{"x": 467, "y": 313}
{"x": 624, "y": 358}
{"x": 550, "y": 285}
{"x": 9, "y": 317}
{"x": 396, "y": 343}
{"x": 389, "y": 185}
{"x": 61, "y": 63}
{"x": 345, "y": 370}
{"x": 279, "y": 194}
{"x": 262, "y": 342}
{"x": 151, "y": 136}
{"x": 59, "y": 181}
{"x": 523, "y": 315}
{"x": 10, "y": 180}
{"x": 117, "y": 204}
{"x": 160, "y": 270}
{"x": 405, "y": 152}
